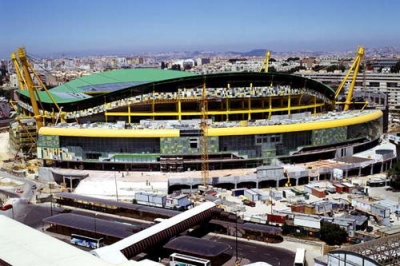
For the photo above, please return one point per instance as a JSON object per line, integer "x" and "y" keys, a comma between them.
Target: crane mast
{"x": 25, "y": 74}
{"x": 204, "y": 134}
{"x": 265, "y": 65}
{"x": 354, "y": 68}
{"x": 18, "y": 71}
{"x": 30, "y": 86}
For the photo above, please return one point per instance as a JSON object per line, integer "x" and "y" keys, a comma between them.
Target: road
{"x": 253, "y": 251}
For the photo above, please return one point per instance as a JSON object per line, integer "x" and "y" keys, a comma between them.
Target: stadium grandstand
{"x": 149, "y": 120}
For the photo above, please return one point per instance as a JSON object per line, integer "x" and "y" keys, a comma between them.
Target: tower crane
{"x": 265, "y": 65}
{"x": 204, "y": 135}
{"x": 26, "y": 66}
{"x": 30, "y": 81}
{"x": 25, "y": 78}
{"x": 353, "y": 69}
{"x": 18, "y": 71}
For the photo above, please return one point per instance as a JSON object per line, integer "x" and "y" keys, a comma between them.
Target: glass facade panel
{"x": 113, "y": 145}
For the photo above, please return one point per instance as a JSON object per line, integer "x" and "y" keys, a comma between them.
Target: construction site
{"x": 273, "y": 148}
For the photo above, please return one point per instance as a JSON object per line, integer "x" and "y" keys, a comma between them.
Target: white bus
{"x": 86, "y": 241}
{"x": 176, "y": 259}
{"x": 300, "y": 258}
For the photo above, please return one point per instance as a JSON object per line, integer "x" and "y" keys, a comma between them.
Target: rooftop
{"x": 103, "y": 82}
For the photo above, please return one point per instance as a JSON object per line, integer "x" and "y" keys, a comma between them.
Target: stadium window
{"x": 194, "y": 143}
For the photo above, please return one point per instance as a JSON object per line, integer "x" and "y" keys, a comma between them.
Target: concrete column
{"x": 398, "y": 151}
{"x": 359, "y": 171}
{"x": 372, "y": 169}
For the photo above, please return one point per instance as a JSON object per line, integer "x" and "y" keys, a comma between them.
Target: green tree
{"x": 331, "y": 68}
{"x": 285, "y": 229}
{"x": 292, "y": 59}
{"x": 332, "y": 234}
{"x": 296, "y": 69}
{"x": 395, "y": 68}
{"x": 163, "y": 65}
{"x": 394, "y": 175}
{"x": 317, "y": 68}
{"x": 272, "y": 69}
{"x": 176, "y": 67}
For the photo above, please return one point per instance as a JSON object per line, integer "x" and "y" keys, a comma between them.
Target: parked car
{"x": 249, "y": 203}
{"x": 6, "y": 207}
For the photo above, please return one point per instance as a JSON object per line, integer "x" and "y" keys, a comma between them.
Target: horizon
{"x": 141, "y": 27}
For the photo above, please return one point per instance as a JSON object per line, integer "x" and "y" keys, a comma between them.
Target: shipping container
{"x": 347, "y": 187}
{"x": 331, "y": 188}
{"x": 339, "y": 188}
{"x": 262, "y": 195}
{"x": 251, "y": 195}
{"x": 319, "y": 193}
{"x": 309, "y": 209}
{"x": 142, "y": 197}
{"x": 308, "y": 188}
{"x": 238, "y": 192}
{"x": 297, "y": 208}
{"x": 288, "y": 194}
{"x": 276, "y": 194}
{"x": 307, "y": 221}
{"x": 277, "y": 218}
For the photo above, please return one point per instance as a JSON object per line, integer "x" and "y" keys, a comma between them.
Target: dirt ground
{"x": 5, "y": 154}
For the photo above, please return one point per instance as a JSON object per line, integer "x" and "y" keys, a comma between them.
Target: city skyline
{"x": 47, "y": 27}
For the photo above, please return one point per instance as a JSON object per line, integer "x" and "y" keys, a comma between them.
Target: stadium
{"x": 153, "y": 120}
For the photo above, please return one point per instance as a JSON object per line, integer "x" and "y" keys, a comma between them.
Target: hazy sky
{"x": 137, "y": 26}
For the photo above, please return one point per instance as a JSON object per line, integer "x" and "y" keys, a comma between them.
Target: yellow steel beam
{"x": 274, "y": 129}
{"x": 109, "y": 133}
{"x": 30, "y": 85}
{"x": 353, "y": 69}
{"x": 247, "y": 130}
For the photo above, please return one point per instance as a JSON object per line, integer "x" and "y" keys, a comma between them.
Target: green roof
{"x": 104, "y": 82}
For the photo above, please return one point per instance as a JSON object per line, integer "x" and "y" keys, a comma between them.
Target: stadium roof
{"x": 136, "y": 82}
{"x": 105, "y": 82}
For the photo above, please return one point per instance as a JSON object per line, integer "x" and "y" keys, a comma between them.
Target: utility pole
{"x": 95, "y": 223}
{"x": 237, "y": 262}
{"x": 116, "y": 187}
{"x": 51, "y": 200}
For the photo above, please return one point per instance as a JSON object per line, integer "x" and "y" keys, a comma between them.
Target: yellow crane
{"x": 354, "y": 69}
{"x": 25, "y": 74}
{"x": 286, "y": 173}
{"x": 18, "y": 71}
{"x": 265, "y": 65}
{"x": 26, "y": 70}
{"x": 204, "y": 135}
